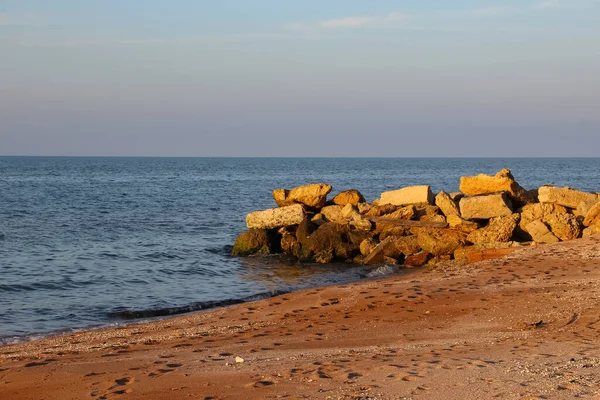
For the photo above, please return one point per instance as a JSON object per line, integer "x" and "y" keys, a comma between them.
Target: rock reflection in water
{"x": 278, "y": 271}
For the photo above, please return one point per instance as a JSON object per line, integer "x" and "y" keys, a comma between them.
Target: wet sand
{"x": 522, "y": 326}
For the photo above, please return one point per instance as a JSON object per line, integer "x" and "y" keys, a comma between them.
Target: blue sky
{"x": 282, "y": 78}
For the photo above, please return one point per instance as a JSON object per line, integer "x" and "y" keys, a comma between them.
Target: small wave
{"x": 384, "y": 270}
{"x": 160, "y": 255}
{"x": 64, "y": 284}
{"x": 204, "y": 305}
{"x": 222, "y": 251}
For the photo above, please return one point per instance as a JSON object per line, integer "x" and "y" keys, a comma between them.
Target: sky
{"x": 327, "y": 78}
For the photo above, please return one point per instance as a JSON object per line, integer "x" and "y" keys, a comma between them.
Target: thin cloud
{"x": 348, "y": 22}
{"x": 573, "y": 4}
{"x": 396, "y": 19}
{"x": 365, "y": 21}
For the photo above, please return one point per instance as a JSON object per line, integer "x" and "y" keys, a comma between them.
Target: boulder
{"x": 407, "y": 245}
{"x": 566, "y": 196}
{"x": 352, "y": 196}
{"x": 440, "y": 241}
{"x": 563, "y": 225}
{"x": 429, "y": 214}
{"x": 592, "y": 217}
{"x": 378, "y": 211}
{"x": 328, "y": 243}
{"x": 417, "y": 260}
{"x": 356, "y": 237}
{"x": 446, "y": 204}
{"x": 503, "y": 181}
{"x": 313, "y": 195}
{"x": 364, "y": 208}
{"x": 390, "y": 230}
{"x": 390, "y": 250}
{"x": 304, "y": 230}
{"x": 281, "y": 198}
{"x": 404, "y": 213}
{"x": 407, "y": 195}
{"x": 591, "y": 231}
{"x": 538, "y": 211}
{"x": 377, "y": 255}
{"x": 500, "y": 229}
{"x": 456, "y": 196}
{"x": 461, "y": 224}
{"x": 361, "y": 224}
{"x": 254, "y": 241}
{"x": 367, "y": 246}
{"x": 540, "y": 232}
{"x": 276, "y": 217}
{"x": 350, "y": 213}
{"x": 485, "y": 207}
{"x": 333, "y": 213}
{"x": 290, "y": 244}
{"x": 584, "y": 207}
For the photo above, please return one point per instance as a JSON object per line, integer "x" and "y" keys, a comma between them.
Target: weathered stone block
{"x": 313, "y": 195}
{"x": 446, "y": 204}
{"x": 566, "y": 196}
{"x": 500, "y": 229}
{"x": 540, "y": 232}
{"x": 408, "y": 195}
{"x": 276, "y": 217}
{"x": 485, "y": 207}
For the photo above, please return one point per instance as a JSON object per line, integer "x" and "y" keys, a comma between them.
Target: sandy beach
{"x": 522, "y": 326}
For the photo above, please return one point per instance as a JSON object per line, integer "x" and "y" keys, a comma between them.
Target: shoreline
{"x": 197, "y": 307}
{"x": 521, "y": 326}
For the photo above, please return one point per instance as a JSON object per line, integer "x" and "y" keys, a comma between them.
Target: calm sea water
{"x": 87, "y": 240}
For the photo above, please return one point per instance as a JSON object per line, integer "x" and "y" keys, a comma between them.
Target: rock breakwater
{"x": 412, "y": 226}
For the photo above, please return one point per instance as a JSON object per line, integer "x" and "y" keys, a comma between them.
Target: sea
{"x": 92, "y": 242}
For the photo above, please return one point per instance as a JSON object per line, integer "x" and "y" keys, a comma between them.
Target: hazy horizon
{"x": 343, "y": 78}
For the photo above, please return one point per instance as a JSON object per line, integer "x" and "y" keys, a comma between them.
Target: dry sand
{"x": 523, "y": 326}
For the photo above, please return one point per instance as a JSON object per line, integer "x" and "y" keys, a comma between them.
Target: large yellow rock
{"x": 408, "y": 195}
{"x": 540, "y": 232}
{"x": 313, "y": 195}
{"x": 564, "y": 226}
{"x": 351, "y": 196}
{"x": 446, "y": 204}
{"x": 592, "y": 217}
{"x": 485, "y": 207}
{"x": 591, "y": 231}
{"x": 377, "y": 255}
{"x": 367, "y": 246}
{"x": 440, "y": 241}
{"x": 566, "y": 196}
{"x": 255, "y": 241}
{"x": 500, "y": 229}
{"x": 407, "y": 245}
{"x": 503, "y": 181}
{"x": 276, "y": 217}
{"x": 461, "y": 224}
{"x": 281, "y": 197}
{"x": 333, "y": 213}
{"x": 404, "y": 213}
{"x": 538, "y": 211}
